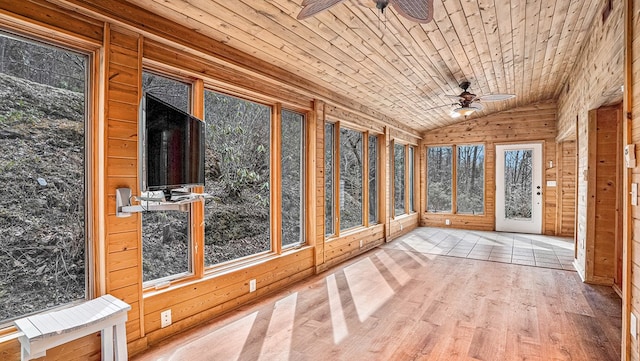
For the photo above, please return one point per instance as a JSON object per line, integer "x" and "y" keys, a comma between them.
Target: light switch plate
{"x": 634, "y": 194}
{"x": 633, "y": 327}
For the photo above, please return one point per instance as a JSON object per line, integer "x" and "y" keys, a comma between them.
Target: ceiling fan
{"x": 420, "y": 11}
{"x": 468, "y": 102}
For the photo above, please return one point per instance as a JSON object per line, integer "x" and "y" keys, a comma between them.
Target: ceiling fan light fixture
{"x": 463, "y": 111}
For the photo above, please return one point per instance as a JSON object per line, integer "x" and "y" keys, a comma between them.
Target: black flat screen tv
{"x": 171, "y": 146}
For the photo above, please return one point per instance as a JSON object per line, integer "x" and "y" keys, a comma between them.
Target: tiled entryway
{"x": 517, "y": 248}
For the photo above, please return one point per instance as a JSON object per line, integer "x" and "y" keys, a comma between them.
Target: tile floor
{"x": 517, "y": 248}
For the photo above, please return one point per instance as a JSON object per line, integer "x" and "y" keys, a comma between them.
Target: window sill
{"x": 224, "y": 269}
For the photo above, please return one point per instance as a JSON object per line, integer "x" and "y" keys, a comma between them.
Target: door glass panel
{"x": 518, "y": 167}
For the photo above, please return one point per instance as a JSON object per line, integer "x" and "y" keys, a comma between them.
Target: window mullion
{"x": 365, "y": 179}
{"x": 197, "y": 208}
{"x": 276, "y": 179}
{"x": 454, "y": 179}
{"x": 336, "y": 178}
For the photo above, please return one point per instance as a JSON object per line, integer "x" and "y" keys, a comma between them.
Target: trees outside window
{"x": 354, "y": 156}
{"x": 44, "y": 168}
{"x": 518, "y": 168}
{"x": 398, "y": 179}
{"x": 351, "y": 177}
{"x": 373, "y": 179}
{"x": 329, "y": 180}
{"x": 439, "y": 179}
{"x": 470, "y": 179}
{"x": 237, "y": 174}
{"x": 411, "y": 185}
{"x": 165, "y": 235}
{"x": 292, "y": 164}
{"x": 469, "y": 169}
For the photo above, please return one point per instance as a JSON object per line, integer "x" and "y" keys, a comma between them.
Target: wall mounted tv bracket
{"x": 125, "y": 209}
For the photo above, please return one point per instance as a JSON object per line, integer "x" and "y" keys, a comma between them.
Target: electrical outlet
{"x": 165, "y": 318}
{"x": 447, "y": 222}
{"x": 361, "y": 243}
{"x": 252, "y": 285}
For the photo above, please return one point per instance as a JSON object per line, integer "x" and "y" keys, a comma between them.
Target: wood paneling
{"x": 603, "y": 194}
{"x": 526, "y": 124}
{"x": 566, "y": 195}
{"x": 396, "y": 67}
{"x": 631, "y": 114}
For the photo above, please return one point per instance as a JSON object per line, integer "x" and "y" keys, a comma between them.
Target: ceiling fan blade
{"x": 477, "y": 106}
{"x": 312, "y": 7}
{"x": 495, "y": 97}
{"x": 420, "y": 11}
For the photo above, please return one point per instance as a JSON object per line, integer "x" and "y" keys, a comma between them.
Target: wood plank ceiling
{"x": 400, "y": 68}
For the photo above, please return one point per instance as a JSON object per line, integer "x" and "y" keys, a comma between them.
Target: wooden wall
{"x": 594, "y": 81}
{"x": 631, "y": 110}
{"x": 122, "y": 47}
{"x": 526, "y": 124}
{"x": 603, "y": 194}
{"x": 566, "y": 195}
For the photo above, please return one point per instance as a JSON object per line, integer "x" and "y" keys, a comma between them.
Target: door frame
{"x": 536, "y": 225}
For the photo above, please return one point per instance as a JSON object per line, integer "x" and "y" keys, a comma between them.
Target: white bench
{"x": 47, "y": 330}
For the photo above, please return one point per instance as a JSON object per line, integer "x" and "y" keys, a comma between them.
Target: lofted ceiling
{"x": 401, "y": 68}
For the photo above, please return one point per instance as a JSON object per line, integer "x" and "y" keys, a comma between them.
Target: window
{"x": 469, "y": 170}
{"x": 329, "y": 216}
{"x": 373, "y": 179}
{"x": 354, "y": 156}
{"x": 398, "y": 179}
{"x": 351, "y": 178}
{"x": 237, "y": 174}
{"x": 43, "y": 223}
{"x": 470, "y": 179}
{"x": 411, "y": 165}
{"x": 165, "y": 235}
{"x": 292, "y": 178}
{"x": 439, "y": 179}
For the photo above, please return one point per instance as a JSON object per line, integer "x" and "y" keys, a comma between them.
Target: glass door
{"x": 519, "y": 188}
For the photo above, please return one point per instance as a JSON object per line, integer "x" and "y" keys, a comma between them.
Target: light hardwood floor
{"x": 395, "y": 304}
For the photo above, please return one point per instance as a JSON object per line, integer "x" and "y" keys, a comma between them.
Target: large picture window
{"x": 351, "y": 178}
{"x": 237, "y": 174}
{"x": 373, "y": 179}
{"x": 470, "y": 179}
{"x": 165, "y": 235}
{"x": 399, "y": 179}
{"x": 329, "y": 176}
{"x": 43, "y": 235}
{"x": 292, "y": 164}
{"x": 439, "y": 179}
{"x": 468, "y": 166}
{"x": 351, "y": 159}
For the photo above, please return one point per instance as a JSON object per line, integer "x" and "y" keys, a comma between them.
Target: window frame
{"x": 484, "y": 182}
{"x": 199, "y": 270}
{"x": 93, "y": 142}
{"x": 192, "y": 254}
{"x": 409, "y": 184}
{"x": 454, "y": 178}
{"x": 335, "y": 201}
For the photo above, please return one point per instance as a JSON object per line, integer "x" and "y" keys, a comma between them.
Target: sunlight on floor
{"x": 369, "y": 289}
{"x": 395, "y": 269}
{"x": 238, "y": 330}
{"x": 338, "y": 321}
{"x": 277, "y": 341}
